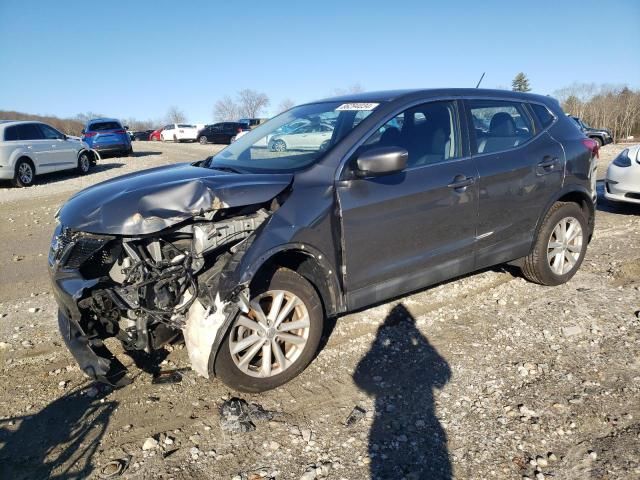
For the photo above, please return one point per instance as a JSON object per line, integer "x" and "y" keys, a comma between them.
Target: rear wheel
{"x": 560, "y": 246}
{"x": 24, "y": 174}
{"x": 276, "y": 340}
{"x": 202, "y": 140}
{"x": 84, "y": 163}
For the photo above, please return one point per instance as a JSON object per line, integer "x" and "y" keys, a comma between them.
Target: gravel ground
{"x": 486, "y": 376}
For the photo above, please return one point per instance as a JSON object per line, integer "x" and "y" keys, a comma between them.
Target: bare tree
{"x": 175, "y": 115}
{"x": 251, "y": 103}
{"x": 225, "y": 110}
{"x": 285, "y": 105}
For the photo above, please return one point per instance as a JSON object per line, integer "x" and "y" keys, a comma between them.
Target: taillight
{"x": 592, "y": 145}
{"x": 90, "y": 134}
{"x": 120, "y": 131}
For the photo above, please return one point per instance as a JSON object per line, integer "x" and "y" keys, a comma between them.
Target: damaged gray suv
{"x": 245, "y": 254}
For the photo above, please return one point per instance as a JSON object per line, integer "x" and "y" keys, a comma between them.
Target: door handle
{"x": 547, "y": 164}
{"x": 461, "y": 182}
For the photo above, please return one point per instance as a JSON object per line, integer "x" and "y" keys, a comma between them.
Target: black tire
{"x": 203, "y": 140}
{"x": 598, "y": 141}
{"x": 21, "y": 177}
{"x": 535, "y": 266}
{"x": 84, "y": 163}
{"x": 288, "y": 280}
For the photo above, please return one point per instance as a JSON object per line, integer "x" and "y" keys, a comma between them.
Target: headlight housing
{"x": 623, "y": 159}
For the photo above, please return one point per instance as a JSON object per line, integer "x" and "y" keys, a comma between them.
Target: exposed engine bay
{"x": 150, "y": 289}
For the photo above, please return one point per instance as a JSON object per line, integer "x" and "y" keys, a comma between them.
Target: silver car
{"x": 30, "y": 148}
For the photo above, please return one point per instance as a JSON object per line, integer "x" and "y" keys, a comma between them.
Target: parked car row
{"x": 601, "y": 135}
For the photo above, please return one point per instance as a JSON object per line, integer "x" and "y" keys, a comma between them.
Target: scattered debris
{"x": 115, "y": 468}
{"x": 355, "y": 416}
{"x": 236, "y": 415}
{"x": 169, "y": 376}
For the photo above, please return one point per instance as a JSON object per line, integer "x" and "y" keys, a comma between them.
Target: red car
{"x": 155, "y": 135}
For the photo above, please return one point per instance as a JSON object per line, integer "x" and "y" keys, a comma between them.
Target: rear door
{"x": 520, "y": 166}
{"x": 409, "y": 229}
{"x": 39, "y": 149}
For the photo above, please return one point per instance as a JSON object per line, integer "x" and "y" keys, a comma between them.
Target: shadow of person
{"x": 58, "y": 442}
{"x": 401, "y": 370}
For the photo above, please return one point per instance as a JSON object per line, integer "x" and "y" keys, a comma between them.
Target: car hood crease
{"x": 152, "y": 200}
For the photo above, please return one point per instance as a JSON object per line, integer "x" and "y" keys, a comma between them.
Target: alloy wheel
{"x": 85, "y": 163}
{"x": 25, "y": 173}
{"x": 266, "y": 344}
{"x": 565, "y": 245}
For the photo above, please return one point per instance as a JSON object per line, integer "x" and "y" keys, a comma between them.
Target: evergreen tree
{"x": 520, "y": 83}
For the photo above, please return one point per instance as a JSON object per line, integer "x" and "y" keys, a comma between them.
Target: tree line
{"x": 604, "y": 106}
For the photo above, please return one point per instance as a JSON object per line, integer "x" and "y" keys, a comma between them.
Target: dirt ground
{"x": 486, "y": 376}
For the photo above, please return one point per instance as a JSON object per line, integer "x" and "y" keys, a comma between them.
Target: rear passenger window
{"x": 29, "y": 131}
{"x": 499, "y": 125}
{"x": 545, "y": 117}
{"x": 428, "y": 132}
{"x": 10, "y": 133}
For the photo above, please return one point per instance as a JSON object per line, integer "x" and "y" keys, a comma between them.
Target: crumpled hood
{"x": 152, "y": 200}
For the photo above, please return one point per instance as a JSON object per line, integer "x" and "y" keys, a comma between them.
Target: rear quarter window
{"x": 10, "y": 134}
{"x": 542, "y": 113}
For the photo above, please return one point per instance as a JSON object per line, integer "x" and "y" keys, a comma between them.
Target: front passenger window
{"x": 499, "y": 125}
{"x": 428, "y": 132}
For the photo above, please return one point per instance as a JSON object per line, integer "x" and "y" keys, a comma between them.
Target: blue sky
{"x": 135, "y": 59}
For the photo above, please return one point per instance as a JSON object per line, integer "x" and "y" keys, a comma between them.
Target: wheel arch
{"x": 572, "y": 194}
{"x": 309, "y": 263}
{"x": 23, "y": 156}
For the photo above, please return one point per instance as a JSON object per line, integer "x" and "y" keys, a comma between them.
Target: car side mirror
{"x": 126, "y": 127}
{"x": 82, "y": 131}
{"x": 381, "y": 161}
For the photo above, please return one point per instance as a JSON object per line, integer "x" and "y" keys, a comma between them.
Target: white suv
{"x": 178, "y": 132}
{"x": 31, "y": 148}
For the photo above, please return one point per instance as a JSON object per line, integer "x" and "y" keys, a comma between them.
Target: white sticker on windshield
{"x": 350, "y": 107}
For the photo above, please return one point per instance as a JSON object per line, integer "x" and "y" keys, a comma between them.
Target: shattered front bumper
{"x": 92, "y": 355}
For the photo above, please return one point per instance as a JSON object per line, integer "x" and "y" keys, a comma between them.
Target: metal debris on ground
{"x": 236, "y": 415}
{"x": 169, "y": 376}
{"x": 355, "y": 416}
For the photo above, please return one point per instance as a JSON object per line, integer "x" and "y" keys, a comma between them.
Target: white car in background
{"x": 310, "y": 136}
{"x": 622, "y": 183}
{"x": 179, "y": 132}
{"x": 31, "y": 148}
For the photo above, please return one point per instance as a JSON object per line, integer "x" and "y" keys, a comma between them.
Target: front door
{"x": 406, "y": 230}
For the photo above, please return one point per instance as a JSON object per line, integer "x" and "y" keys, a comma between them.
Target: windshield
{"x": 293, "y": 140}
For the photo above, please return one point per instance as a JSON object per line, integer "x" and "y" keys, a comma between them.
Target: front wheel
{"x": 279, "y": 146}
{"x": 202, "y": 140}
{"x": 84, "y": 163}
{"x": 598, "y": 141}
{"x": 560, "y": 246}
{"x": 276, "y": 340}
